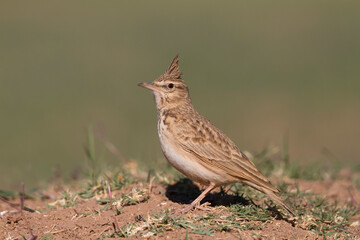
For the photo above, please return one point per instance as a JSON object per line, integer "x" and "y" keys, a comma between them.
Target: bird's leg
{"x": 198, "y": 199}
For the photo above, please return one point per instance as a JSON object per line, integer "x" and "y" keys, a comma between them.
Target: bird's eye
{"x": 171, "y": 85}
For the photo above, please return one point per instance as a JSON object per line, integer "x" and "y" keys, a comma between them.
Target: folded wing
{"x": 212, "y": 147}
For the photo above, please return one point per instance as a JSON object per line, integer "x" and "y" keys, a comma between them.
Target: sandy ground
{"x": 88, "y": 220}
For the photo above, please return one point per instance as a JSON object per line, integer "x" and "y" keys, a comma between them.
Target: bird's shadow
{"x": 185, "y": 191}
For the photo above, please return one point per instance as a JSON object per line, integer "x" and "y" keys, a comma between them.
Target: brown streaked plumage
{"x": 195, "y": 147}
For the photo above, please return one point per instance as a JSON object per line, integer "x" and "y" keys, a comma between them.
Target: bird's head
{"x": 169, "y": 89}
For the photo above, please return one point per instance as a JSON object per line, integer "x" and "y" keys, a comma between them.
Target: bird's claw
{"x": 203, "y": 207}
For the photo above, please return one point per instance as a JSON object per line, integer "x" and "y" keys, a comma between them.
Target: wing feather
{"x": 218, "y": 151}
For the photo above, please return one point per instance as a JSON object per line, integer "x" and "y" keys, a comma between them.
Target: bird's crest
{"x": 173, "y": 70}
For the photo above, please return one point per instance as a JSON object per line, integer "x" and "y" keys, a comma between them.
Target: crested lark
{"x": 195, "y": 147}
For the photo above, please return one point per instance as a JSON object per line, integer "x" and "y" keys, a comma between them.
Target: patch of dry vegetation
{"x": 120, "y": 204}
{"x": 125, "y": 206}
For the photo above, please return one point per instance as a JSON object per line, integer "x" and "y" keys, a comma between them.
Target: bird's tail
{"x": 278, "y": 200}
{"x": 271, "y": 192}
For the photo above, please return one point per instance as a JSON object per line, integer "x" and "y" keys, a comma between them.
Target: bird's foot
{"x": 203, "y": 207}
{"x": 186, "y": 209}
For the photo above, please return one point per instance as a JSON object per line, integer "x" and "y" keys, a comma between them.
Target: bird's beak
{"x": 148, "y": 86}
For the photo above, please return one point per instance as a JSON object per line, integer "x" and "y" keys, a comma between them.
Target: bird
{"x": 196, "y": 147}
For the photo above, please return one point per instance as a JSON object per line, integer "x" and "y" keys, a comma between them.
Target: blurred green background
{"x": 258, "y": 70}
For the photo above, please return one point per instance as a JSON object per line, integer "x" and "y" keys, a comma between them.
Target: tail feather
{"x": 272, "y": 195}
{"x": 278, "y": 200}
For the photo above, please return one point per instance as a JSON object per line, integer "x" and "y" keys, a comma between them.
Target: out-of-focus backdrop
{"x": 259, "y": 70}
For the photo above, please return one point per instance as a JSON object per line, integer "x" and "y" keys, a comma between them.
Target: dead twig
{"x": 109, "y": 194}
{"x": 100, "y": 133}
{"x": 106, "y": 229}
{"x": 22, "y": 203}
{"x": 58, "y": 231}
{"x": 150, "y": 184}
{"x": 10, "y": 204}
{"x": 22, "y": 197}
{"x": 111, "y": 147}
{"x": 15, "y": 206}
{"x": 116, "y": 224}
{"x": 353, "y": 200}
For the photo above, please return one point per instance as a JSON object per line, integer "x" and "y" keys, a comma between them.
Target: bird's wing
{"x": 212, "y": 147}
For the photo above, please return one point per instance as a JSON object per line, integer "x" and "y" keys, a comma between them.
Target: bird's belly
{"x": 191, "y": 168}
